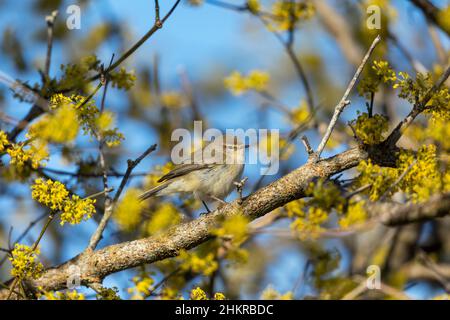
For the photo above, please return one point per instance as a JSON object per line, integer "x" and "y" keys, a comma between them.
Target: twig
{"x": 418, "y": 107}
{"x": 33, "y": 248}
{"x": 50, "y": 19}
{"x": 344, "y": 101}
{"x": 140, "y": 42}
{"x": 307, "y": 145}
{"x": 157, "y": 19}
{"x": 109, "y": 205}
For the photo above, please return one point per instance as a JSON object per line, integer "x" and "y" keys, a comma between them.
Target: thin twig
{"x": 96, "y": 237}
{"x": 50, "y": 19}
{"x": 140, "y": 42}
{"x": 344, "y": 101}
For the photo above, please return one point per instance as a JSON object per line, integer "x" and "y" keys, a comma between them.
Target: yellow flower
{"x": 3, "y": 141}
{"x": 143, "y": 287}
{"x": 235, "y": 227}
{"x": 271, "y": 294}
{"x": 166, "y": 215}
{"x": 370, "y": 129}
{"x": 300, "y": 115}
{"x": 219, "y": 296}
{"x": 25, "y": 262}
{"x": 76, "y": 210}
{"x": 356, "y": 214}
{"x": 128, "y": 211}
{"x": 52, "y": 194}
{"x": 235, "y": 83}
{"x": 172, "y": 99}
{"x": 198, "y": 294}
{"x": 238, "y": 84}
{"x": 191, "y": 261}
{"x": 288, "y": 14}
{"x": 59, "y": 295}
{"x": 253, "y": 5}
{"x": 122, "y": 79}
{"x": 59, "y": 127}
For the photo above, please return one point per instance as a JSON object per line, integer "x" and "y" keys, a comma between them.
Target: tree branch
{"x": 96, "y": 265}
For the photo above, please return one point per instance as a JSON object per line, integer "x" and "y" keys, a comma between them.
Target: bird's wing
{"x": 183, "y": 169}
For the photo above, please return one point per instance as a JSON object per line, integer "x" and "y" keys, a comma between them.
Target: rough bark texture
{"x": 96, "y": 265}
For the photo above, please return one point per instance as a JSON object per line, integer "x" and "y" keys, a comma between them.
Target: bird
{"x": 213, "y": 178}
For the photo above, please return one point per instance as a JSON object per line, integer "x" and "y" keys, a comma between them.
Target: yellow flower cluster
{"x": 25, "y": 262}
{"x": 122, "y": 79}
{"x": 191, "y": 261}
{"x": 105, "y": 126}
{"x": 443, "y": 17}
{"x": 54, "y": 195}
{"x": 310, "y": 215}
{"x": 288, "y": 13}
{"x": 76, "y": 210}
{"x": 271, "y": 294}
{"x": 370, "y": 129}
{"x": 3, "y": 141}
{"x": 355, "y": 214}
{"x": 379, "y": 178}
{"x": 300, "y": 115}
{"x": 173, "y": 99}
{"x": 60, "y": 126}
{"x": 75, "y": 111}
{"x": 143, "y": 285}
{"x": 20, "y": 153}
{"x": 239, "y": 84}
{"x": 423, "y": 178}
{"x": 60, "y": 295}
{"x": 199, "y": 294}
{"x": 235, "y": 227}
{"x": 165, "y": 216}
{"x": 253, "y": 5}
{"x": 128, "y": 211}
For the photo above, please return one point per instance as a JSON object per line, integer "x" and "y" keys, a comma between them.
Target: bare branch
{"x": 109, "y": 204}
{"x": 344, "y": 101}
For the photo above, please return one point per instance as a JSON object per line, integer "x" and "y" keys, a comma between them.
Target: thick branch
{"x": 399, "y": 214}
{"x": 98, "y": 264}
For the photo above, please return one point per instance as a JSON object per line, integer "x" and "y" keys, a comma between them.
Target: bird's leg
{"x": 206, "y": 207}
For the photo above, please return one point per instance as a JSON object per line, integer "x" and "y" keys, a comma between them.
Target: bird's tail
{"x": 153, "y": 191}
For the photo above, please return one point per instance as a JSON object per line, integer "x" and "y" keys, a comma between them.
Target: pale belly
{"x": 216, "y": 182}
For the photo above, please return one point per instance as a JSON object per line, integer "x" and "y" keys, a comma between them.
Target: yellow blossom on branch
{"x": 198, "y": 294}
{"x": 76, "y": 210}
{"x": 3, "y": 141}
{"x": 370, "y": 129}
{"x": 25, "y": 262}
{"x": 60, "y": 295}
{"x": 166, "y": 215}
{"x": 54, "y": 195}
{"x": 59, "y": 127}
{"x": 193, "y": 262}
{"x": 128, "y": 211}
{"x": 238, "y": 84}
